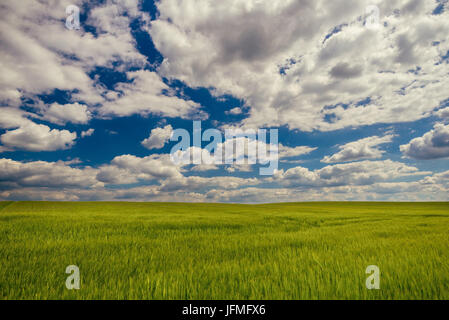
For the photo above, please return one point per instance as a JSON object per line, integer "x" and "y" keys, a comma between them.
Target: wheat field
{"x": 224, "y": 251}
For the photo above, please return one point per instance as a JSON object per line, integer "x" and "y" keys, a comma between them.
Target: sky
{"x": 360, "y": 98}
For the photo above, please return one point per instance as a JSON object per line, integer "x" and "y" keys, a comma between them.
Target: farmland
{"x": 224, "y": 251}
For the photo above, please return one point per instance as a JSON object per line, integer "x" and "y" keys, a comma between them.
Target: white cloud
{"x": 431, "y": 188}
{"x": 443, "y": 113}
{"x": 17, "y": 174}
{"x": 368, "y": 180}
{"x": 87, "y": 133}
{"x": 238, "y": 154}
{"x": 432, "y": 145}
{"x": 128, "y": 169}
{"x": 148, "y": 94}
{"x": 362, "y": 149}
{"x": 201, "y": 184}
{"x": 158, "y": 138}
{"x": 240, "y": 53}
{"x": 61, "y": 114}
{"x": 438, "y": 180}
{"x": 239, "y": 168}
{"x": 34, "y": 63}
{"x": 285, "y": 60}
{"x": 239, "y": 47}
{"x": 289, "y": 152}
{"x": 355, "y": 173}
{"x": 234, "y": 111}
{"x": 13, "y": 118}
{"x": 37, "y": 137}
{"x": 204, "y": 167}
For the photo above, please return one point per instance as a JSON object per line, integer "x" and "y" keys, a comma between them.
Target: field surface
{"x": 218, "y": 251}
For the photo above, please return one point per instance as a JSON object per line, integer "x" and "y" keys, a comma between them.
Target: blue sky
{"x": 362, "y": 109}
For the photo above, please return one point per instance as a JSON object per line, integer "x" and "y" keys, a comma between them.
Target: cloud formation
{"x": 148, "y": 94}
{"x": 61, "y": 114}
{"x": 367, "y": 180}
{"x": 37, "y": 137}
{"x": 313, "y": 68}
{"x": 432, "y": 145}
{"x": 303, "y": 62}
{"x": 443, "y": 113}
{"x": 355, "y": 173}
{"x": 359, "y": 150}
{"x": 158, "y": 137}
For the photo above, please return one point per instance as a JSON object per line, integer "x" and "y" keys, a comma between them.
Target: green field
{"x": 219, "y": 251}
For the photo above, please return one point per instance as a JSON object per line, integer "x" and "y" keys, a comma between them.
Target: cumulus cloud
{"x": 127, "y": 169}
{"x": 16, "y": 174}
{"x": 344, "y": 71}
{"x": 87, "y": 133}
{"x": 303, "y": 64}
{"x": 241, "y": 151}
{"x": 239, "y": 168}
{"x": 432, "y": 145}
{"x": 430, "y": 188}
{"x": 325, "y": 58}
{"x": 443, "y": 113}
{"x": 158, "y": 137}
{"x": 204, "y": 167}
{"x": 234, "y": 111}
{"x": 355, "y": 173}
{"x": 325, "y": 65}
{"x": 13, "y": 118}
{"x": 37, "y": 137}
{"x": 148, "y": 94}
{"x": 290, "y": 152}
{"x": 24, "y": 134}
{"x": 368, "y": 180}
{"x": 35, "y": 63}
{"x": 61, "y": 114}
{"x": 202, "y": 184}
{"x": 359, "y": 150}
